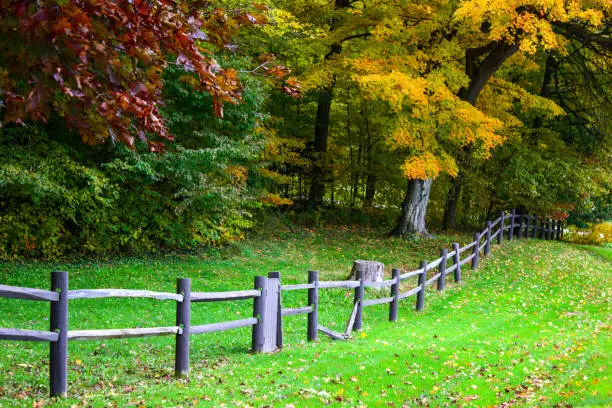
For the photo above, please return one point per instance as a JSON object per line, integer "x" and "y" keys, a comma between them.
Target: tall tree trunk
{"x": 414, "y": 208}
{"x": 370, "y": 188}
{"x": 450, "y": 209}
{"x": 317, "y": 185}
{"x": 496, "y": 54}
{"x": 319, "y": 165}
{"x": 551, "y": 65}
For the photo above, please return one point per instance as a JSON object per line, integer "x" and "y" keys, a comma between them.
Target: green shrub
{"x": 59, "y": 197}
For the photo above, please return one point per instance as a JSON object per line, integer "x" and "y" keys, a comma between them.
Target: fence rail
{"x": 268, "y": 313}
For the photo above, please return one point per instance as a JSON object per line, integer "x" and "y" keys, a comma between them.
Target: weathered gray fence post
{"x": 420, "y": 299}
{"x": 519, "y": 234}
{"x": 183, "y": 320}
{"x": 500, "y": 236}
{"x": 511, "y": 230}
{"x": 456, "y": 261}
{"x": 58, "y": 350}
{"x": 487, "y": 248}
{"x": 279, "y": 314}
{"x": 527, "y": 232}
{"x": 442, "y": 269}
{"x": 265, "y": 308}
{"x": 359, "y": 290}
{"x": 258, "y": 311}
{"x": 395, "y": 289}
{"x": 536, "y": 228}
{"x": 313, "y": 301}
{"x": 476, "y": 250}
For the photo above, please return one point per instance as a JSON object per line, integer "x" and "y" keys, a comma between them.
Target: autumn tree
{"x": 437, "y": 60}
{"x": 505, "y": 29}
{"x": 126, "y": 77}
{"x": 98, "y": 64}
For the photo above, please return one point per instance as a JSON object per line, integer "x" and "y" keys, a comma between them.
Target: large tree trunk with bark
{"x": 414, "y": 208}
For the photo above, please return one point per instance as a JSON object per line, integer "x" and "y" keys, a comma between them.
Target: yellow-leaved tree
{"x": 430, "y": 62}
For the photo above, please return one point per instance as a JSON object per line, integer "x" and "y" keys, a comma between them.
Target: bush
{"x": 59, "y": 197}
{"x": 598, "y": 234}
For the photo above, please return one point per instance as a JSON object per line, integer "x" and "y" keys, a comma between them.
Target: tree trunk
{"x": 373, "y": 271}
{"x": 319, "y": 165}
{"x": 370, "y": 189}
{"x": 479, "y": 75}
{"x": 450, "y": 210}
{"x": 496, "y": 54}
{"x": 414, "y": 208}
{"x": 319, "y": 168}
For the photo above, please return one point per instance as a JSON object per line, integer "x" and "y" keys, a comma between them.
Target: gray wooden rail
{"x": 268, "y": 312}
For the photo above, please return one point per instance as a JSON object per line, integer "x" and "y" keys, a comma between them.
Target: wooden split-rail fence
{"x": 268, "y": 311}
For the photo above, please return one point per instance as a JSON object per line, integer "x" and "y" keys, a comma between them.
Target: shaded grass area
{"x": 605, "y": 252}
{"x": 529, "y": 328}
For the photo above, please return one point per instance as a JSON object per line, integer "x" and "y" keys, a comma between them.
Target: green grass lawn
{"x": 531, "y": 327}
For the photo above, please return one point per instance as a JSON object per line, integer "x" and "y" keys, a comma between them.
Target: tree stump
{"x": 373, "y": 271}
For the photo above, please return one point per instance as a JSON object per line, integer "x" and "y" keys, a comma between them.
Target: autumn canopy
{"x": 428, "y": 110}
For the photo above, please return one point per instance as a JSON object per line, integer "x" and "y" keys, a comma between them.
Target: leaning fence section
{"x": 268, "y": 312}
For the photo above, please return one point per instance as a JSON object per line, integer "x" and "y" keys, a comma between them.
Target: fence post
{"x": 58, "y": 350}
{"x": 558, "y": 230}
{"x": 258, "y": 312}
{"x": 534, "y": 226}
{"x": 519, "y": 234}
{"x": 265, "y": 307}
{"x": 442, "y": 269}
{"x": 395, "y": 288}
{"x": 456, "y": 261}
{"x": 527, "y": 233}
{"x": 536, "y": 231}
{"x": 359, "y": 298}
{"x": 313, "y": 301}
{"x": 500, "y": 236}
{"x": 511, "y": 230}
{"x": 548, "y": 229}
{"x": 476, "y": 250}
{"x": 279, "y": 314}
{"x": 420, "y": 299}
{"x": 487, "y": 248}
{"x": 183, "y": 320}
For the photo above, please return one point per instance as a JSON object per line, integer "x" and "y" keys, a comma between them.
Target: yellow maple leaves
{"x": 528, "y": 22}
{"x": 393, "y": 87}
{"x": 428, "y": 166}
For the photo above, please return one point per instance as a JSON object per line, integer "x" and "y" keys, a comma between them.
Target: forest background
{"x": 132, "y": 127}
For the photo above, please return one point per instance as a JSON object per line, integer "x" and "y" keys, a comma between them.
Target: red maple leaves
{"x": 99, "y": 63}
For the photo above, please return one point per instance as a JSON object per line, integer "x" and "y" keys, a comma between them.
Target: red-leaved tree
{"x": 99, "y": 63}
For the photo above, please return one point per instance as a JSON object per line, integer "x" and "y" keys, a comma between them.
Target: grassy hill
{"x": 530, "y": 327}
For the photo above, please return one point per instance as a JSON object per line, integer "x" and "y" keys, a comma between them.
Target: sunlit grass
{"x": 529, "y": 328}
